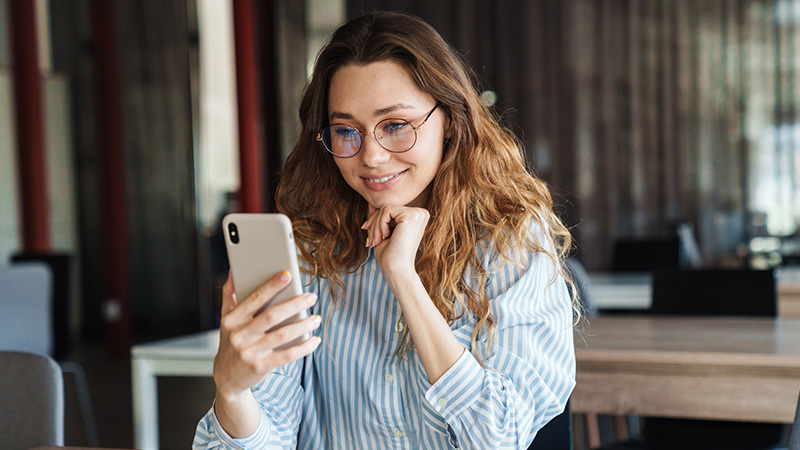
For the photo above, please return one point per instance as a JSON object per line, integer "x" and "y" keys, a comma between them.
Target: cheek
{"x": 346, "y": 167}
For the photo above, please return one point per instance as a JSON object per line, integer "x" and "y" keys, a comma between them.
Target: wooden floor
{"x": 182, "y": 402}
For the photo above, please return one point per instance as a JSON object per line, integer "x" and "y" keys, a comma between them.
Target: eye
{"x": 345, "y": 133}
{"x": 391, "y": 127}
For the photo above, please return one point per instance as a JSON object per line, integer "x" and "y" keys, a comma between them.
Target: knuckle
{"x": 260, "y": 365}
{"x": 282, "y": 334}
{"x": 246, "y": 356}
{"x": 226, "y": 323}
{"x": 269, "y": 316}
{"x": 237, "y": 341}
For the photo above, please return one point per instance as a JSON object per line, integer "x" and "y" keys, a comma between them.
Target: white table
{"x": 621, "y": 290}
{"x": 191, "y": 355}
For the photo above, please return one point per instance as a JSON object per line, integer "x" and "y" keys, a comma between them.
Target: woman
{"x": 432, "y": 260}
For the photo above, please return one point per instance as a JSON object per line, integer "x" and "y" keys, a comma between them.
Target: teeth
{"x": 381, "y": 180}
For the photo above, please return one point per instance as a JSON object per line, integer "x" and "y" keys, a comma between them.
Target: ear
{"x": 448, "y": 128}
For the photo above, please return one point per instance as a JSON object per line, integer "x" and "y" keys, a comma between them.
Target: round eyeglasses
{"x": 395, "y": 135}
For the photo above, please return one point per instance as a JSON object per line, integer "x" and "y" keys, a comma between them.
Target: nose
{"x": 372, "y": 154}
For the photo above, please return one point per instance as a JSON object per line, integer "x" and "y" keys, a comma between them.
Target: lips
{"x": 381, "y": 182}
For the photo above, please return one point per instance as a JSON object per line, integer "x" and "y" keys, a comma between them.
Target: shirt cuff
{"x": 259, "y": 439}
{"x": 458, "y": 389}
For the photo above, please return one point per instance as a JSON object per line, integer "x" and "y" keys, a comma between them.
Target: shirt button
{"x": 442, "y": 403}
{"x": 389, "y": 378}
{"x": 399, "y": 326}
{"x": 397, "y": 433}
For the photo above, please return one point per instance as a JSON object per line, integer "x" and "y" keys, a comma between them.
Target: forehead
{"x": 358, "y": 89}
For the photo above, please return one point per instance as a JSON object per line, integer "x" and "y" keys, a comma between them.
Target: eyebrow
{"x": 378, "y": 112}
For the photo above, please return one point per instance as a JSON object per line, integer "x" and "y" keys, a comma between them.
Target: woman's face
{"x": 363, "y": 95}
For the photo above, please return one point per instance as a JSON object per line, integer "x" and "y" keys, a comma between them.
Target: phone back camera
{"x": 233, "y": 233}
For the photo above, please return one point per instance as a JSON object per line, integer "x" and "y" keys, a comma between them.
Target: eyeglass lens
{"x": 395, "y": 135}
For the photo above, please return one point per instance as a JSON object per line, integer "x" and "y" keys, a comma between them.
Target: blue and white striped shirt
{"x": 354, "y": 393}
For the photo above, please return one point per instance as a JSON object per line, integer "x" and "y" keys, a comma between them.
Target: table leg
{"x": 145, "y": 405}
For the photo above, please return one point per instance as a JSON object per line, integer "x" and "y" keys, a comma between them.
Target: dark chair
{"x": 646, "y": 255}
{"x": 556, "y": 434}
{"x": 715, "y": 292}
{"x": 32, "y": 397}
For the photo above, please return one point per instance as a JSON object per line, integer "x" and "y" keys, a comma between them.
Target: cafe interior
{"x": 667, "y": 130}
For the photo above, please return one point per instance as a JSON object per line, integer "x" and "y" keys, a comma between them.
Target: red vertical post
{"x": 250, "y": 164}
{"x": 116, "y": 288}
{"x": 29, "y": 116}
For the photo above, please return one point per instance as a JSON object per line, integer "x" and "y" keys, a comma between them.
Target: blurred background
{"x": 128, "y": 128}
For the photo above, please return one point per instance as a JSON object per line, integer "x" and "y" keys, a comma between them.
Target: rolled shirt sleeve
{"x": 280, "y": 397}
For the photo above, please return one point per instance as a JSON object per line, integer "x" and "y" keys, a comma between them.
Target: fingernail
{"x": 311, "y": 297}
{"x": 284, "y": 276}
{"x": 364, "y": 225}
{"x": 367, "y": 241}
{"x": 319, "y": 340}
{"x": 317, "y": 320}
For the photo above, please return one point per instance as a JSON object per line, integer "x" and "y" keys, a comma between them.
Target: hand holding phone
{"x": 259, "y": 247}
{"x": 265, "y": 324}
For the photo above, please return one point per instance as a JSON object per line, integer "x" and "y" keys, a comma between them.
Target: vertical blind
{"x": 645, "y": 113}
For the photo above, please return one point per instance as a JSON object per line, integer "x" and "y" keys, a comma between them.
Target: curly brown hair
{"x": 481, "y": 190}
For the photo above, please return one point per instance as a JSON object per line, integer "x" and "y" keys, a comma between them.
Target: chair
{"x": 26, "y": 293}
{"x": 646, "y": 255}
{"x": 61, "y": 265}
{"x": 556, "y": 434}
{"x": 31, "y": 401}
{"x": 714, "y": 292}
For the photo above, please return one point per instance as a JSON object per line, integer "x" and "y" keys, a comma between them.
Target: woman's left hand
{"x": 395, "y": 233}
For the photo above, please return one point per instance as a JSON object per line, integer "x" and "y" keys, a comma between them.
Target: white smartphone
{"x": 259, "y": 247}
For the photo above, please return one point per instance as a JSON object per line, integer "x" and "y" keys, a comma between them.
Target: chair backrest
{"x": 794, "y": 437}
{"x": 61, "y": 268}
{"x": 25, "y": 310}
{"x": 556, "y": 434}
{"x": 646, "y": 255}
{"x": 716, "y": 292}
{"x": 31, "y": 401}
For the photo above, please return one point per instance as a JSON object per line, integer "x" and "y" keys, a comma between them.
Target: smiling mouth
{"x": 383, "y": 179}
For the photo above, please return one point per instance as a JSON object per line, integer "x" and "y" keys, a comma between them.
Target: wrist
{"x": 401, "y": 280}
{"x": 232, "y": 396}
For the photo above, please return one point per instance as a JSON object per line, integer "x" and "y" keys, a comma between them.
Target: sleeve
{"x": 529, "y": 372}
{"x": 280, "y": 396}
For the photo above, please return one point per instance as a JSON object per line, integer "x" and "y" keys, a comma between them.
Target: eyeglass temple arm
{"x": 426, "y": 118}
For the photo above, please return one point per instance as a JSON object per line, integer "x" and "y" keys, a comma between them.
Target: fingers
{"x": 257, "y": 339}
{"x": 264, "y": 293}
{"x": 378, "y": 226}
{"x": 298, "y": 351}
{"x": 277, "y": 314}
{"x": 281, "y": 336}
{"x": 382, "y": 222}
